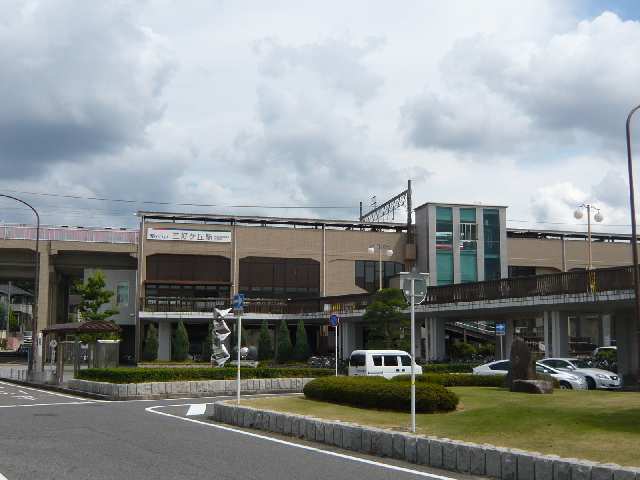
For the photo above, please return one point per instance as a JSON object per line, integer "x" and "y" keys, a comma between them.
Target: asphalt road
{"x": 46, "y": 435}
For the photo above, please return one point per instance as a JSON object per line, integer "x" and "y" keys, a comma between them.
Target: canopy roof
{"x": 94, "y": 326}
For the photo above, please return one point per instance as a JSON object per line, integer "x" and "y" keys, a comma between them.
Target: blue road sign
{"x": 334, "y": 320}
{"x": 500, "y": 328}
{"x": 238, "y": 301}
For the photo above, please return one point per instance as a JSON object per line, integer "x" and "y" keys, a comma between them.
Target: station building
{"x": 178, "y": 267}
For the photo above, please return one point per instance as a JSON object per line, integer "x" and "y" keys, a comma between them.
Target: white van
{"x": 384, "y": 363}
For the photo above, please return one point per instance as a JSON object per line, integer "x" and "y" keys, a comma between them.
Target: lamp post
{"x": 597, "y": 217}
{"x": 387, "y": 251}
{"x": 34, "y": 316}
{"x": 634, "y": 240}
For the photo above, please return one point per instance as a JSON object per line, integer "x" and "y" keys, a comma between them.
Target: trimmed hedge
{"x": 380, "y": 393}
{"x": 143, "y": 375}
{"x": 456, "y": 379}
{"x": 448, "y": 367}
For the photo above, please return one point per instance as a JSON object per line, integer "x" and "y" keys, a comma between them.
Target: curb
{"x": 443, "y": 453}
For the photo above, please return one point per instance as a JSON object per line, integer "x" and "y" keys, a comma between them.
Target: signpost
{"x": 335, "y": 321}
{"x": 414, "y": 286}
{"x": 238, "y": 308}
{"x": 501, "y": 329}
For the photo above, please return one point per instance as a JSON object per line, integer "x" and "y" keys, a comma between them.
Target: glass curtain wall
{"x": 367, "y": 273}
{"x": 468, "y": 245}
{"x": 491, "y": 224}
{"x": 444, "y": 245}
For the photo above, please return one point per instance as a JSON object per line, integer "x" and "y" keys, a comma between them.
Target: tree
{"x": 284, "y": 343}
{"x": 180, "y": 343}
{"x": 301, "y": 351}
{"x": 265, "y": 348}
{"x": 150, "y": 350}
{"x": 93, "y": 296}
{"x": 207, "y": 345}
{"x": 386, "y": 322}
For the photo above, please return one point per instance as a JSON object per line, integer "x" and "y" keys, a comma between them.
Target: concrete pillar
{"x": 164, "y": 341}
{"x": 44, "y": 288}
{"x": 435, "y": 339}
{"x": 628, "y": 355}
{"x": 556, "y": 334}
{"x": 417, "y": 336}
{"x": 605, "y": 340}
{"x": 509, "y": 335}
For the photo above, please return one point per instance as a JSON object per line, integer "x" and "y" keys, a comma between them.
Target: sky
{"x": 304, "y": 109}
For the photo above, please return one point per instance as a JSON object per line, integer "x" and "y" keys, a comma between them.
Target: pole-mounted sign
{"x": 219, "y": 333}
{"x": 334, "y": 320}
{"x": 238, "y": 308}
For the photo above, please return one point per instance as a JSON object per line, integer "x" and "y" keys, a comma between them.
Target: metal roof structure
{"x": 92, "y": 326}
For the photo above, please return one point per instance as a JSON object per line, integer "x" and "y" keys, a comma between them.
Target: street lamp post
{"x": 387, "y": 251}
{"x": 597, "y": 217}
{"x": 34, "y": 316}
{"x": 634, "y": 240}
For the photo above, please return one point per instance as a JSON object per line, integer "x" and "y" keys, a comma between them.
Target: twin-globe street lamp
{"x": 598, "y": 217}
{"x": 34, "y": 316}
{"x": 381, "y": 247}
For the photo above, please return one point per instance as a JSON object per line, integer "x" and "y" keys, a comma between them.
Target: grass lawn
{"x": 593, "y": 425}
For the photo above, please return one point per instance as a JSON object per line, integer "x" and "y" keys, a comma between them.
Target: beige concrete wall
{"x": 547, "y": 253}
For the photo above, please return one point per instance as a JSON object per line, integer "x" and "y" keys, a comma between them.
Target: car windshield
{"x": 581, "y": 363}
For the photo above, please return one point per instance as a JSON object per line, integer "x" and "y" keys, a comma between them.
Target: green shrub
{"x": 380, "y": 393}
{"x": 144, "y": 375}
{"x": 180, "y": 349}
{"x": 456, "y": 379}
{"x": 284, "y": 343}
{"x": 265, "y": 348}
{"x": 449, "y": 367}
{"x": 462, "y": 351}
{"x": 150, "y": 350}
{"x": 301, "y": 351}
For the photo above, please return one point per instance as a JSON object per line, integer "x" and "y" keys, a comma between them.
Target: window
{"x": 357, "y": 360}
{"x": 377, "y": 360}
{"x": 390, "y": 360}
{"x": 266, "y": 277}
{"x": 406, "y": 360}
{"x": 122, "y": 294}
{"x": 444, "y": 245}
{"x": 368, "y": 271}
{"x": 516, "y": 271}
{"x": 491, "y": 224}
{"x": 500, "y": 366}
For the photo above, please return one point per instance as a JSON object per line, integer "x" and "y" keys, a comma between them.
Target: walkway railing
{"x": 584, "y": 281}
{"x": 68, "y": 234}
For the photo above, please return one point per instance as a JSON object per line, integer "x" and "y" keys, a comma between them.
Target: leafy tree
{"x": 180, "y": 343}
{"x": 301, "y": 351}
{"x": 150, "y": 350}
{"x": 13, "y": 321}
{"x": 386, "y": 322}
{"x": 93, "y": 296}
{"x": 265, "y": 347}
{"x": 285, "y": 347}
{"x": 462, "y": 351}
{"x": 206, "y": 345}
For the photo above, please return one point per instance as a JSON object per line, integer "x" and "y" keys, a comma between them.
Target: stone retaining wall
{"x": 202, "y": 388}
{"x": 471, "y": 458}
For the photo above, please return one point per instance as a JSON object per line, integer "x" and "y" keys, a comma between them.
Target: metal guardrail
{"x": 68, "y": 234}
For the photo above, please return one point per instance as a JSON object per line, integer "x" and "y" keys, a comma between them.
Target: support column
{"x": 605, "y": 324}
{"x": 44, "y": 289}
{"x": 548, "y": 335}
{"x": 348, "y": 341}
{"x": 628, "y": 355}
{"x": 164, "y": 341}
{"x": 509, "y": 335}
{"x": 435, "y": 338}
{"x": 559, "y": 327}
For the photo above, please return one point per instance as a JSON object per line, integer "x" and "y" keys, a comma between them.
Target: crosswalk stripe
{"x": 196, "y": 409}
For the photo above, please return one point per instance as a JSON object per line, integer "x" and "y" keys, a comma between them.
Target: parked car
{"x": 385, "y": 363}
{"x": 565, "y": 379}
{"x": 596, "y": 378}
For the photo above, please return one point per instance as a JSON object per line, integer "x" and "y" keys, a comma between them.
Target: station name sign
{"x": 219, "y": 236}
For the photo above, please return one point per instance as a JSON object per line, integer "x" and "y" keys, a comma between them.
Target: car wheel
{"x": 591, "y": 383}
{"x": 565, "y": 386}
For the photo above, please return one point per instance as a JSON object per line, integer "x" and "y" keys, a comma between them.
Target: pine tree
{"x": 150, "y": 350}
{"x": 284, "y": 343}
{"x": 206, "y": 345}
{"x": 181, "y": 343}
{"x": 265, "y": 348}
{"x": 93, "y": 295}
{"x": 301, "y": 351}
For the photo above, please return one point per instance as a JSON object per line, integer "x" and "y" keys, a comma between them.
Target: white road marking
{"x": 196, "y": 409}
{"x": 47, "y": 392}
{"x": 2, "y": 477}
{"x": 303, "y": 447}
{"x": 44, "y": 405}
